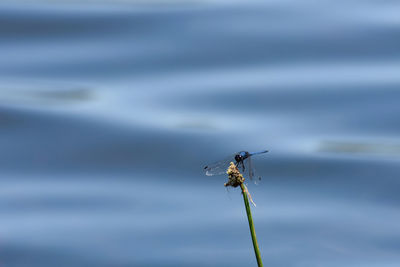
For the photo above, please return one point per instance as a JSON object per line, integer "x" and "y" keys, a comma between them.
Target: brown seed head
{"x": 235, "y": 177}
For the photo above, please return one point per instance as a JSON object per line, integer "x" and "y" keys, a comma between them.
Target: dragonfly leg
{"x": 239, "y": 162}
{"x": 243, "y": 168}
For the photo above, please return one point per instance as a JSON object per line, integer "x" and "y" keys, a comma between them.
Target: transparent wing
{"x": 219, "y": 167}
{"x": 250, "y": 168}
{"x": 251, "y": 171}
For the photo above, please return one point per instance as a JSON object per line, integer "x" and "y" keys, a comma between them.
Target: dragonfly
{"x": 242, "y": 160}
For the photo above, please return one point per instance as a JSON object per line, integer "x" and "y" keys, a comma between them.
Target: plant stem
{"x": 251, "y": 225}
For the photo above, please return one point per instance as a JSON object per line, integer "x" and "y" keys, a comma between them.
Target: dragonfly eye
{"x": 238, "y": 158}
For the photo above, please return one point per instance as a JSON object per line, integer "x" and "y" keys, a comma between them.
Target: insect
{"x": 242, "y": 160}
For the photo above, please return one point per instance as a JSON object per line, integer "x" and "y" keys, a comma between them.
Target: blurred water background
{"x": 110, "y": 109}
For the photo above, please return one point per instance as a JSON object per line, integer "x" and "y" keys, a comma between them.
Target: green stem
{"x": 251, "y": 225}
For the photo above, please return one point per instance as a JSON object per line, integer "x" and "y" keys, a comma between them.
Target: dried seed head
{"x": 235, "y": 177}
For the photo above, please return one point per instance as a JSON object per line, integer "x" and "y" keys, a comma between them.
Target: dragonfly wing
{"x": 250, "y": 168}
{"x": 219, "y": 167}
{"x": 251, "y": 171}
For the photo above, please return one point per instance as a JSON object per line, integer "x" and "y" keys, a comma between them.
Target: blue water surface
{"x": 109, "y": 110}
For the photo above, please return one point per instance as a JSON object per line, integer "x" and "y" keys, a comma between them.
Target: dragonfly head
{"x": 238, "y": 158}
{"x": 242, "y": 155}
